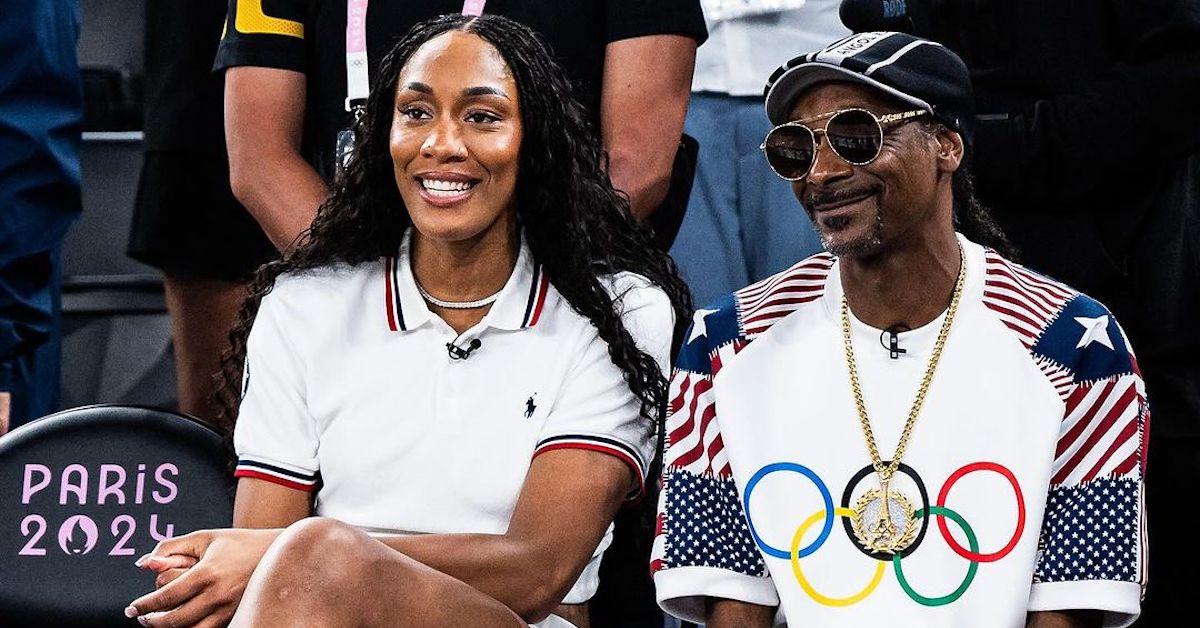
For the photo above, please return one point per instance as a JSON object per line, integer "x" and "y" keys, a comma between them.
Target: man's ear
{"x": 950, "y": 150}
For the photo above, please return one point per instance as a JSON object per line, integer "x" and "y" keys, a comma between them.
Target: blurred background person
{"x": 186, "y": 220}
{"x": 742, "y": 222}
{"x": 41, "y": 115}
{"x": 1088, "y": 152}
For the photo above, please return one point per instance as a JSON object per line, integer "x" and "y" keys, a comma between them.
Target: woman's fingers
{"x": 196, "y": 612}
{"x": 193, "y": 544}
{"x": 174, "y": 594}
{"x": 166, "y": 563}
{"x": 167, "y": 577}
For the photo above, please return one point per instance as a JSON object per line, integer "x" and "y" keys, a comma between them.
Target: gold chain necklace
{"x": 895, "y": 523}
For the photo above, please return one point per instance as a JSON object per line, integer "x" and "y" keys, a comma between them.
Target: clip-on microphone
{"x": 458, "y": 353}
{"x": 893, "y": 343}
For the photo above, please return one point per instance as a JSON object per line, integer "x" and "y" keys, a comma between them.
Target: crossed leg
{"x": 322, "y": 572}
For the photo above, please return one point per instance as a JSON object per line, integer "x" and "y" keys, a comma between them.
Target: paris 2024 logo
{"x": 116, "y": 501}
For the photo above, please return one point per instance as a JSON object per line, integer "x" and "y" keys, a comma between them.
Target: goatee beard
{"x": 856, "y": 247}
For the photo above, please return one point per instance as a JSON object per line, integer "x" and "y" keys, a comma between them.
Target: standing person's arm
{"x": 644, "y": 93}
{"x": 265, "y": 59}
{"x": 264, "y": 122}
{"x": 643, "y": 101}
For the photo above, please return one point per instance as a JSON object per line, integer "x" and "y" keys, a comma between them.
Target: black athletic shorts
{"x": 188, "y": 224}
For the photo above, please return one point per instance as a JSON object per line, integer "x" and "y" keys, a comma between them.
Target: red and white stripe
{"x": 725, "y": 352}
{"x": 276, "y": 472}
{"x": 693, "y": 439}
{"x": 1103, "y": 432}
{"x": 538, "y": 289}
{"x": 1025, "y": 301}
{"x": 391, "y": 299}
{"x": 762, "y": 304}
{"x": 1060, "y": 376}
{"x": 658, "y": 550}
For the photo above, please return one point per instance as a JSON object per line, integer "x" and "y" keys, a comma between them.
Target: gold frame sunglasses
{"x": 882, "y": 123}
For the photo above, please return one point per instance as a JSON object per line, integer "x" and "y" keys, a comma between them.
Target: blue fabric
{"x": 35, "y": 375}
{"x": 743, "y": 223}
{"x": 41, "y": 110}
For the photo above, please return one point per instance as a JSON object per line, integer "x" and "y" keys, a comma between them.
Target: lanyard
{"x": 357, "y": 82}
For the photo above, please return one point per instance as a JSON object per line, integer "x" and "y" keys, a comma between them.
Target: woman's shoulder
{"x": 323, "y": 289}
{"x": 634, "y": 291}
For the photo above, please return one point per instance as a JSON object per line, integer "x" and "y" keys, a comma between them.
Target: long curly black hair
{"x": 576, "y": 225}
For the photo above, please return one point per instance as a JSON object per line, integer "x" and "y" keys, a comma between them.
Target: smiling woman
{"x": 459, "y": 370}
{"x": 456, "y": 140}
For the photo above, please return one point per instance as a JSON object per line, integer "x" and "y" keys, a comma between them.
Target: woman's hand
{"x": 168, "y": 568}
{"x": 201, "y": 577}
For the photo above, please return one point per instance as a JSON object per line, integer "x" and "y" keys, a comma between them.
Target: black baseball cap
{"x": 917, "y": 71}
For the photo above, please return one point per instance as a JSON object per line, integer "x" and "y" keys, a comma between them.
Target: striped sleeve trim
{"x": 605, "y": 445}
{"x": 301, "y": 481}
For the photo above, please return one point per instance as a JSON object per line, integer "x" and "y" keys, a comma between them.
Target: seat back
{"x": 84, "y": 493}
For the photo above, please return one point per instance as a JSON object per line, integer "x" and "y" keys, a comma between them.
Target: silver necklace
{"x": 459, "y": 305}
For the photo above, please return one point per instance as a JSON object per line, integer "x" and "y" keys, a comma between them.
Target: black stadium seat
{"x": 84, "y": 493}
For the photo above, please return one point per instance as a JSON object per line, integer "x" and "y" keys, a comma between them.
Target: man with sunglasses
{"x": 907, "y": 430}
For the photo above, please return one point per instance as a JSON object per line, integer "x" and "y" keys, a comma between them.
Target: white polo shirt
{"x": 350, "y": 391}
{"x": 1026, "y": 461}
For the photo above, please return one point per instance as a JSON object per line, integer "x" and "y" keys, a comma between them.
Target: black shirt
{"x": 183, "y": 97}
{"x": 577, "y": 32}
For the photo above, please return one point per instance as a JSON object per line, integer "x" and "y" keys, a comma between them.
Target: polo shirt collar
{"x": 519, "y": 305}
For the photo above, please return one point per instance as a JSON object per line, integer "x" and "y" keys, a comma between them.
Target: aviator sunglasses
{"x": 856, "y": 135}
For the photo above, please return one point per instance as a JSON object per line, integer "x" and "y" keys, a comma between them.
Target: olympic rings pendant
{"x": 884, "y": 520}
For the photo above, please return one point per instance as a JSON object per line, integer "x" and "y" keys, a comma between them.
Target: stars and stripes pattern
{"x": 700, "y": 521}
{"x": 1093, "y": 527}
{"x": 1091, "y": 533}
{"x": 276, "y": 473}
{"x": 693, "y": 440}
{"x": 1027, "y": 302}
{"x": 706, "y": 527}
{"x": 762, "y": 304}
{"x": 1101, "y": 433}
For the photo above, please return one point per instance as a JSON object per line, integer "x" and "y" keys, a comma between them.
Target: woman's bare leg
{"x": 322, "y": 572}
{"x": 202, "y": 313}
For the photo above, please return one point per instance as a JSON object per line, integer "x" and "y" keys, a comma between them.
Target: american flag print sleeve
{"x": 1092, "y": 546}
{"x": 702, "y": 545}
{"x": 1092, "y": 550}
